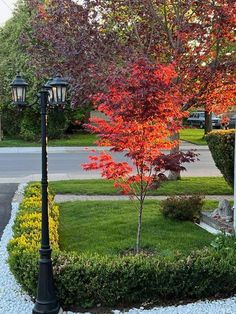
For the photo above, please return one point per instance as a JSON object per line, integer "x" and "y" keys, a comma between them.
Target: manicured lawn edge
{"x": 78, "y": 139}
{"x": 185, "y": 186}
{"x": 194, "y": 136}
{"x": 86, "y": 280}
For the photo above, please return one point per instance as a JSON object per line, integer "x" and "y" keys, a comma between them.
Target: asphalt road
{"x": 7, "y": 192}
{"x": 22, "y": 167}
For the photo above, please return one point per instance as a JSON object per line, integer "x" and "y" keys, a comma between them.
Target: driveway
{"x": 7, "y": 191}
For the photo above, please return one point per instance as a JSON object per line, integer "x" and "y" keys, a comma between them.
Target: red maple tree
{"x": 144, "y": 109}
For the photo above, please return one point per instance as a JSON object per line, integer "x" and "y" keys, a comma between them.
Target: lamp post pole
{"x": 46, "y": 301}
{"x": 52, "y": 94}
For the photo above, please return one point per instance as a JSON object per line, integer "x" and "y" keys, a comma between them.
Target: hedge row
{"x": 87, "y": 280}
{"x": 26, "y": 123}
{"x": 221, "y": 145}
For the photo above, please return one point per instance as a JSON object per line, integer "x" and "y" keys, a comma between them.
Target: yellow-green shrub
{"x": 23, "y": 247}
{"x": 221, "y": 145}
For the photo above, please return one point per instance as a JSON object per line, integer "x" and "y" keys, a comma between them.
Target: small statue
{"x": 223, "y": 211}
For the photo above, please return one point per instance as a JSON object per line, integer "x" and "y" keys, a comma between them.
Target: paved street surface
{"x": 6, "y": 194}
{"x": 24, "y": 164}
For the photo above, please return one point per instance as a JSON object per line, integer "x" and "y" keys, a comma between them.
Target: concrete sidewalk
{"x": 68, "y": 149}
{"x": 60, "y": 198}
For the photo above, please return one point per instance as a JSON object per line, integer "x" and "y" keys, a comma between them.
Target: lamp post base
{"x": 43, "y": 308}
{"x": 46, "y": 301}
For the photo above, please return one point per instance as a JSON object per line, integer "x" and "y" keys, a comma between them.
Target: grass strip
{"x": 187, "y": 185}
{"x": 194, "y": 136}
{"x": 78, "y": 139}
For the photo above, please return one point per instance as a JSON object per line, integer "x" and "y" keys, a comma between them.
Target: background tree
{"x": 14, "y": 59}
{"x": 193, "y": 34}
{"x": 196, "y": 35}
{"x": 144, "y": 109}
{"x": 67, "y": 38}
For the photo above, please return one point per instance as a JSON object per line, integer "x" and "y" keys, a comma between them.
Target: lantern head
{"x": 59, "y": 88}
{"x": 19, "y": 87}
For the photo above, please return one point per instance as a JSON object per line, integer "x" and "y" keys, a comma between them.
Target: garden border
{"x": 130, "y": 280}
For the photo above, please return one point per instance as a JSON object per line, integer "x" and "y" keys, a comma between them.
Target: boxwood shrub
{"x": 182, "y": 207}
{"x": 87, "y": 280}
{"x": 221, "y": 145}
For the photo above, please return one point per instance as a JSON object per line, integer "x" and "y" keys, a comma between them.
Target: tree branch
{"x": 136, "y": 29}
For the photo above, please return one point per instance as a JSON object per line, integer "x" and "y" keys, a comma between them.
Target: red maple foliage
{"x": 144, "y": 110}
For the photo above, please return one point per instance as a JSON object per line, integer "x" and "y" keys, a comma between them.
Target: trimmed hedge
{"x": 87, "y": 280}
{"x": 182, "y": 207}
{"x": 221, "y": 145}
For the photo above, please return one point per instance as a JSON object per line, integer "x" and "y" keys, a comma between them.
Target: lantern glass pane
{"x": 20, "y": 93}
{"x": 50, "y": 96}
{"x": 24, "y": 91}
{"x": 59, "y": 94}
{"x": 14, "y": 94}
{"x": 63, "y": 91}
{"x": 54, "y": 92}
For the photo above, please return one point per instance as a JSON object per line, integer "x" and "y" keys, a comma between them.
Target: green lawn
{"x": 187, "y": 185}
{"x": 195, "y": 136}
{"x": 107, "y": 227}
{"x": 13, "y": 142}
{"x": 84, "y": 139}
{"x": 79, "y": 139}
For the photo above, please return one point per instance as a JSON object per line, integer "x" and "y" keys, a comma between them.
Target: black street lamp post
{"x": 51, "y": 94}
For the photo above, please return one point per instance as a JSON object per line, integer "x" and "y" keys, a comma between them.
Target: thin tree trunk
{"x": 138, "y": 242}
{"x": 208, "y": 122}
{"x": 174, "y": 175}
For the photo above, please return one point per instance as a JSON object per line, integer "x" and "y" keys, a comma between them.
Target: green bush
{"x": 26, "y": 124}
{"x": 58, "y": 121}
{"x": 11, "y": 118}
{"x": 87, "y": 280}
{"x": 221, "y": 145}
{"x": 226, "y": 242}
{"x": 182, "y": 207}
{"x": 30, "y": 125}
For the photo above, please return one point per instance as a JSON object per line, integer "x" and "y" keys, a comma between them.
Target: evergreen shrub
{"x": 10, "y": 119}
{"x": 182, "y": 207}
{"x": 221, "y": 145}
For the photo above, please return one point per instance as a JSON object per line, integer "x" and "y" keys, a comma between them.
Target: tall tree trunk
{"x": 174, "y": 175}
{"x": 140, "y": 215}
{"x": 208, "y": 122}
